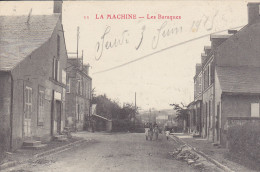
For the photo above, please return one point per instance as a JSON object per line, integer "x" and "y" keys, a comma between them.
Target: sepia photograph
{"x": 130, "y": 86}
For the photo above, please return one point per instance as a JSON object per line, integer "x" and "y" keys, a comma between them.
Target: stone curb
{"x": 58, "y": 149}
{"x": 46, "y": 153}
{"x": 223, "y": 167}
{"x": 7, "y": 165}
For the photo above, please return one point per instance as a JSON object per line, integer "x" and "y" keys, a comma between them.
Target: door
{"x": 27, "y": 112}
{"x": 58, "y": 115}
{"x": 217, "y": 122}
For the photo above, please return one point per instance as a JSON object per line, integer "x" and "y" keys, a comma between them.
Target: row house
{"x": 230, "y": 75}
{"x": 78, "y": 94}
{"x": 33, "y": 59}
{"x": 195, "y": 107}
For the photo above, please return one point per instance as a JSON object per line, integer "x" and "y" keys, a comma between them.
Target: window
{"x": 79, "y": 87}
{"x": 210, "y": 117}
{"x": 212, "y": 71}
{"x": 56, "y": 67}
{"x": 40, "y": 107}
{"x": 63, "y": 76}
{"x": 255, "y": 110}
{"x": 78, "y": 112}
{"x": 68, "y": 86}
{"x": 58, "y": 46}
{"x": 87, "y": 90}
{"x": 27, "y": 111}
{"x": 28, "y": 102}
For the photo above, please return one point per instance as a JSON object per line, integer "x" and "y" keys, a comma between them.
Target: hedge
{"x": 245, "y": 139}
{"x": 4, "y": 141}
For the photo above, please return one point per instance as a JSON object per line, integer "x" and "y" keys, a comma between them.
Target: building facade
{"x": 231, "y": 77}
{"x": 78, "y": 93}
{"x": 33, "y": 59}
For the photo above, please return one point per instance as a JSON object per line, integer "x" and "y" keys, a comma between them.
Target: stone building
{"x": 33, "y": 59}
{"x": 231, "y": 77}
{"x": 78, "y": 94}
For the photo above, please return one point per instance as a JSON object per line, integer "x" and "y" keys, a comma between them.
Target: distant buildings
{"x": 228, "y": 82}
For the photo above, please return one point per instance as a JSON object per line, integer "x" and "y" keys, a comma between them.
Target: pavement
{"x": 217, "y": 155}
{"x": 22, "y": 156}
{"x": 114, "y": 152}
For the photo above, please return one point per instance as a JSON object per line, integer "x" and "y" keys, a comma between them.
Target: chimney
{"x": 216, "y": 40}
{"x": 198, "y": 68}
{"x": 232, "y": 31}
{"x": 253, "y": 12}
{"x": 203, "y": 58}
{"x": 57, "y": 7}
{"x": 207, "y": 49}
{"x": 86, "y": 68}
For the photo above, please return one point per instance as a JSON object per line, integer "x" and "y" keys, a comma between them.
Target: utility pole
{"x": 78, "y": 45}
{"x": 82, "y": 59}
{"x": 135, "y": 109}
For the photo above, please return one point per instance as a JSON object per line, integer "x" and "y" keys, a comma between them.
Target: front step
{"x": 33, "y": 144}
{"x": 60, "y": 138}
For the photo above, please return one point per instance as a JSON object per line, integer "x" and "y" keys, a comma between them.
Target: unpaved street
{"x": 112, "y": 152}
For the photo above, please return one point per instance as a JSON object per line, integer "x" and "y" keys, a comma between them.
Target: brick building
{"x": 78, "y": 94}
{"x": 33, "y": 59}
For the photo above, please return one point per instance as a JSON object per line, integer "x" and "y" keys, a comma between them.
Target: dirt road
{"x": 112, "y": 152}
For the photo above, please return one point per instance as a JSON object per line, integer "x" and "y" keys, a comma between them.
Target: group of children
{"x": 151, "y": 130}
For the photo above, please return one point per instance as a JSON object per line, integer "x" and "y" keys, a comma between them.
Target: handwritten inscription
{"x": 109, "y": 44}
{"x": 165, "y": 30}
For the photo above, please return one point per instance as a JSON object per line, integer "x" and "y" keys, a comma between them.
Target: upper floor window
{"x": 56, "y": 66}
{"x": 68, "y": 86}
{"x": 212, "y": 73}
{"x": 58, "y": 46}
{"x": 79, "y": 89}
{"x": 255, "y": 110}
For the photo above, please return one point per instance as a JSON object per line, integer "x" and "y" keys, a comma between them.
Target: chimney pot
{"x": 57, "y": 7}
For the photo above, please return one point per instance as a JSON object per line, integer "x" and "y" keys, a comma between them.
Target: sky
{"x": 155, "y": 58}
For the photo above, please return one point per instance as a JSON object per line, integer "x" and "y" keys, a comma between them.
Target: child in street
{"x": 167, "y": 133}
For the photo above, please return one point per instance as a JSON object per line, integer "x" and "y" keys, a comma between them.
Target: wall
{"x": 235, "y": 106}
{"x": 218, "y": 93}
{"x": 5, "y": 111}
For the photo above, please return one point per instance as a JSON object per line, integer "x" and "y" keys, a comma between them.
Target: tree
{"x": 182, "y": 113}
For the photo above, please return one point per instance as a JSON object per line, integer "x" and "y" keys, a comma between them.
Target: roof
{"x": 18, "y": 39}
{"x": 239, "y": 79}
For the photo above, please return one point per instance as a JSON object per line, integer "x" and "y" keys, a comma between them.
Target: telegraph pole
{"x": 78, "y": 44}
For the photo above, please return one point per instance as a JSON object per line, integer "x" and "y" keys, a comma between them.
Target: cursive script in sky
{"x": 166, "y": 31}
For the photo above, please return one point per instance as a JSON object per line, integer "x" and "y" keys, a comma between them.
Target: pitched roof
{"x": 19, "y": 38}
{"x": 239, "y": 79}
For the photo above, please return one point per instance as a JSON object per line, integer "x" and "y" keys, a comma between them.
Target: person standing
{"x": 146, "y": 129}
{"x": 167, "y": 133}
{"x": 156, "y": 132}
{"x": 151, "y": 131}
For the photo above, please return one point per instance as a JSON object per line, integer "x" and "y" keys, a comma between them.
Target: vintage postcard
{"x": 129, "y": 85}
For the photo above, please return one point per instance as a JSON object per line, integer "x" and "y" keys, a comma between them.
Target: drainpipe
{"x": 11, "y": 112}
